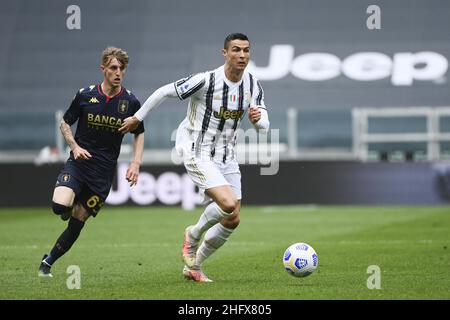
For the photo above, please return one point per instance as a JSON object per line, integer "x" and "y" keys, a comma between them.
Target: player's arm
{"x": 183, "y": 89}
{"x": 78, "y": 152}
{"x": 259, "y": 117}
{"x": 257, "y": 114}
{"x": 157, "y": 97}
{"x": 133, "y": 169}
{"x": 69, "y": 118}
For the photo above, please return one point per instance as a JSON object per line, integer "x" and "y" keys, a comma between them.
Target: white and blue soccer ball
{"x": 300, "y": 259}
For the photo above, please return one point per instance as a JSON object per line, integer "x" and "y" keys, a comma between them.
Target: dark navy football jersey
{"x": 99, "y": 118}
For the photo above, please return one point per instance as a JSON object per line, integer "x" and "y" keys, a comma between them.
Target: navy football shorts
{"x": 91, "y": 187}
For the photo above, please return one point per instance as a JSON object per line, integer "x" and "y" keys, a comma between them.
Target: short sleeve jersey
{"x": 99, "y": 118}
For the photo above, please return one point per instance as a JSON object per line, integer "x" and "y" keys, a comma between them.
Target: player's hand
{"x": 81, "y": 154}
{"x": 254, "y": 114}
{"x": 129, "y": 124}
{"x": 133, "y": 173}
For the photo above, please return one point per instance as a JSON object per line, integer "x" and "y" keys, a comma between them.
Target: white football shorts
{"x": 204, "y": 171}
{"x": 209, "y": 174}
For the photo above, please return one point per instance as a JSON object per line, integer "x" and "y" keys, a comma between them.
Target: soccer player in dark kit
{"x": 85, "y": 181}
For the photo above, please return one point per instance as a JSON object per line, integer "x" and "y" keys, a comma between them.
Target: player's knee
{"x": 80, "y": 213}
{"x": 229, "y": 206}
{"x": 231, "y": 222}
{"x": 60, "y": 209}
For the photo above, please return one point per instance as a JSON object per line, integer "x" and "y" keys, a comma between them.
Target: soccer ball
{"x": 300, "y": 259}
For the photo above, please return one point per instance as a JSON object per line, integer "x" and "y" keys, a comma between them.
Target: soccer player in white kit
{"x": 206, "y": 139}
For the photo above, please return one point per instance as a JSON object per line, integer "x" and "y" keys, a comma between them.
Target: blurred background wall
{"x": 317, "y": 62}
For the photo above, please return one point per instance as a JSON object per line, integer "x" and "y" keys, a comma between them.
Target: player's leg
{"x": 88, "y": 204}
{"x": 66, "y": 239}
{"x": 212, "y": 184}
{"x": 208, "y": 177}
{"x": 62, "y": 201}
{"x": 217, "y": 235}
{"x": 62, "y": 204}
{"x": 223, "y": 205}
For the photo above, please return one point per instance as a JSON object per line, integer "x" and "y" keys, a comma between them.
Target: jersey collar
{"x": 99, "y": 88}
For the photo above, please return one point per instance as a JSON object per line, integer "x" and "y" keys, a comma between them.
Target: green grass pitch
{"x": 135, "y": 253}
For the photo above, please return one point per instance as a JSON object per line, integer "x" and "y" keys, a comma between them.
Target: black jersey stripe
{"x": 260, "y": 94}
{"x": 251, "y": 87}
{"x": 213, "y": 147}
{"x": 224, "y": 105}
{"x": 193, "y": 90}
{"x": 179, "y": 83}
{"x": 209, "y": 102}
{"x": 176, "y": 90}
{"x": 241, "y": 103}
{"x": 224, "y": 159}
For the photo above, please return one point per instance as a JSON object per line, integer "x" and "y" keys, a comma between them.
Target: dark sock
{"x": 65, "y": 240}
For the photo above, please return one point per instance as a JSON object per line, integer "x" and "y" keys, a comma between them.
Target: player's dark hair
{"x": 112, "y": 52}
{"x": 234, "y": 36}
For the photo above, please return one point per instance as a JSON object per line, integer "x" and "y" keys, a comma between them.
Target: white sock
{"x": 215, "y": 237}
{"x": 209, "y": 217}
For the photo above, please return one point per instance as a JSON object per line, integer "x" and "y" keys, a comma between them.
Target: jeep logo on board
{"x": 403, "y": 67}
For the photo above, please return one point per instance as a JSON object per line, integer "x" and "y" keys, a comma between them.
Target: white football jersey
{"x": 216, "y": 108}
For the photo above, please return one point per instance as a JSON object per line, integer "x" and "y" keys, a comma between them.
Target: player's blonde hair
{"x": 112, "y": 52}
